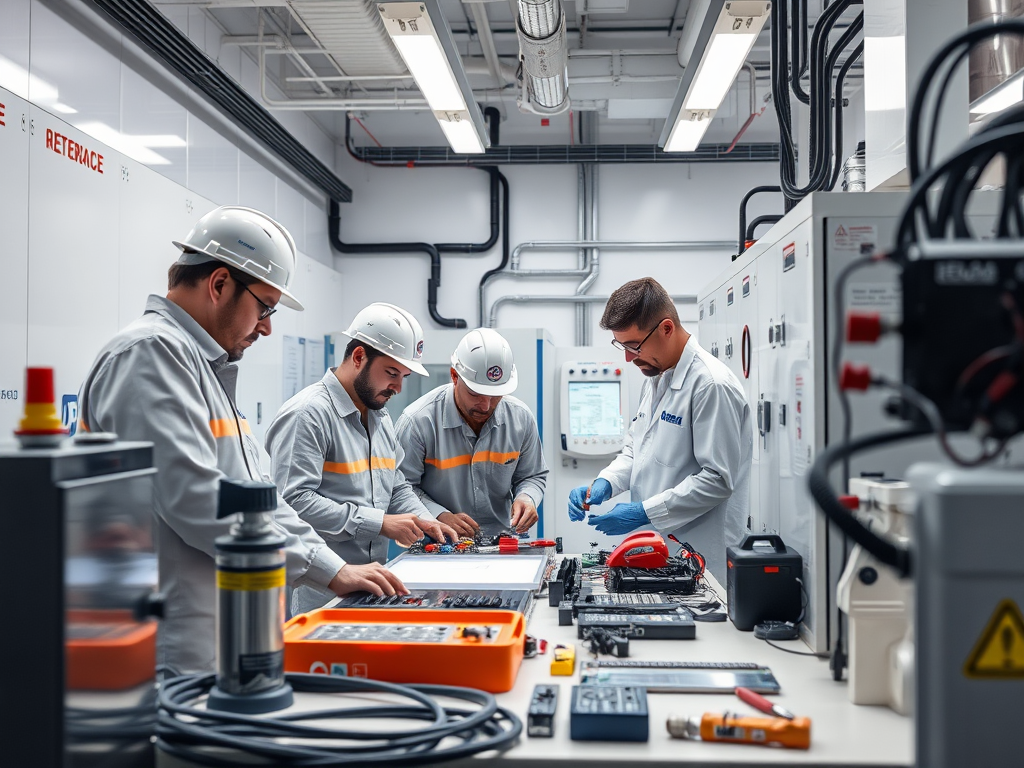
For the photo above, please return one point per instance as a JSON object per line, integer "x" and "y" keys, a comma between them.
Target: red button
{"x": 618, "y": 371}
{"x": 771, "y": 569}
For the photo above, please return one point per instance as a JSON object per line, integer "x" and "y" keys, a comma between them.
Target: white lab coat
{"x": 166, "y": 380}
{"x": 688, "y": 453}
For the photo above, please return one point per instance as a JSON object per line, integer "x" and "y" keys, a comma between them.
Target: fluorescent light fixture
{"x": 423, "y": 56}
{"x": 422, "y": 37}
{"x": 460, "y": 132}
{"x": 718, "y": 69}
{"x": 722, "y": 41}
{"x": 688, "y": 130}
{"x": 1004, "y": 95}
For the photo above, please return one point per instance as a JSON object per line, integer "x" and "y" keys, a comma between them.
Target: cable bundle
{"x": 824, "y": 96}
{"x": 189, "y": 732}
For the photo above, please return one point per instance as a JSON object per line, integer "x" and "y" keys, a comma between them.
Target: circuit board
{"x": 482, "y": 543}
{"x": 505, "y": 600}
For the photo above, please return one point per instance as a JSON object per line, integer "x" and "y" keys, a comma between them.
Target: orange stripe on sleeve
{"x": 362, "y": 465}
{"x": 476, "y": 458}
{"x": 228, "y": 428}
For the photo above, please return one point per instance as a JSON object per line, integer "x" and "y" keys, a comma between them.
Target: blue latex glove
{"x": 600, "y": 492}
{"x": 622, "y": 519}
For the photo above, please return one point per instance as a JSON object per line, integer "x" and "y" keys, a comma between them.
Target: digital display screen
{"x": 594, "y": 409}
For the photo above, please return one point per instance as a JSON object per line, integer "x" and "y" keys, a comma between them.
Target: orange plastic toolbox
{"x": 107, "y": 650}
{"x": 477, "y": 649}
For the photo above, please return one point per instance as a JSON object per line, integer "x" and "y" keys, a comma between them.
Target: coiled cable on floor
{"x": 189, "y": 732}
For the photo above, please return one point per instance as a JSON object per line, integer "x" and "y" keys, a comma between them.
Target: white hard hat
{"x": 247, "y": 240}
{"x": 483, "y": 360}
{"x": 391, "y": 330}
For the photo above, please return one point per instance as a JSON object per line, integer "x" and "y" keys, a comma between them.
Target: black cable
{"x": 882, "y": 550}
{"x": 1007, "y": 137}
{"x": 189, "y": 732}
{"x": 840, "y": 106}
{"x": 798, "y": 45}
{"x": 797, "y": 653}
{"x": 971, "y": 37}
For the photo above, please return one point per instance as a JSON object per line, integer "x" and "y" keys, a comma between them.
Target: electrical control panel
{"x": 593, "y": 407}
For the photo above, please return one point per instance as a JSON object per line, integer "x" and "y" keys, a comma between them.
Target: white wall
{"x": 636, "y": 202}
{"x": 81, "y": 250}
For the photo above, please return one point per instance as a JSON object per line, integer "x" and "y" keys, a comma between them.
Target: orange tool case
{"x": 478, "y": 649}
{"x": 107, "y": 650}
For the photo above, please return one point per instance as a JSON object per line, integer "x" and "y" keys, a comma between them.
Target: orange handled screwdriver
{"x": 766, "y": 731}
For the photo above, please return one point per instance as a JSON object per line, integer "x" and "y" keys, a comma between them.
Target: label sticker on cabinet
{"x": 859, "y": 239}
{"x": 789, "y": 257}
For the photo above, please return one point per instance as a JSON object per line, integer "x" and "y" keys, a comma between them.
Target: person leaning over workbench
{"x": 334, "y": 453}
{"x": 686, "y": 460}
{"x": 169, "y": 378}
{"x": 471, "y": 450}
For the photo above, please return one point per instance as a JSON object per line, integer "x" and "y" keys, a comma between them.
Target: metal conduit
{"x": 574, "y": 299}
{"x": 569, "y": 245}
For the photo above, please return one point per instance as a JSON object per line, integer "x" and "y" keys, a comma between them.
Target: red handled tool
{"x": 759, "y": 702}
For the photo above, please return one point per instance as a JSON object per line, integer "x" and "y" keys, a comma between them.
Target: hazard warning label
{"x": 999, "y": 652}
{"x": 858, "y": 239}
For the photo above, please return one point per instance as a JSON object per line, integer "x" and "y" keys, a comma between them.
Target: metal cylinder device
{"x": 250, "y": 603}
{"x": 541, "y": 28}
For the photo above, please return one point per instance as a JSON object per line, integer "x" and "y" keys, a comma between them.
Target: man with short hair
{"x": 334, "y": 451}
{"x": 686, "y": 461}
{"x": 169, "y": 378}
{"x": 471, "y": 449}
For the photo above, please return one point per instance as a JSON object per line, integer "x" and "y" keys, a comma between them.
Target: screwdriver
{"x": 759, "y": 702}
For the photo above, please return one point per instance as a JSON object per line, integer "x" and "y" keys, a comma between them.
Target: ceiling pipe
{"x": 572, "y": 299}
{"x": 570, "y": 245}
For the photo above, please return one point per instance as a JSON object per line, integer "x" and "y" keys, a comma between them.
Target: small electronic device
{"x": 624, "y": 602}
{"x": 678, "y": 578}
{"x": 481, "y": 599}
{"x": 566, "y": 584}
{"x": 482, "y": 649}
{"x": 540, "y": 717}
{"x": 608, "y": 713}
{"x": 594, "y": 402}
{"x": 651, "y": 626}
{"x": 763, "y": 582}
{"x": 680, "y": 676}
{"x": 645, "y": 549}
{"x": 563, "y": 660}
{"x": 566, "y": 613}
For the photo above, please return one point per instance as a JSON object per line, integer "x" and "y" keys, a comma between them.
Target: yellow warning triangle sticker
{"x": 999, "y": 652}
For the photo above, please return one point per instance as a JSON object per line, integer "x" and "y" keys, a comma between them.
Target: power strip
{"x": 608, "y": 713}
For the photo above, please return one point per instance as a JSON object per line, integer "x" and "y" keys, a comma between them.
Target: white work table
{"x": 842, "y": 734}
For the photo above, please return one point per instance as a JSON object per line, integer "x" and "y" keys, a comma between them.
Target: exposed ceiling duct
{"x": 352, "y": 32}
{"x": 540, "y": 25}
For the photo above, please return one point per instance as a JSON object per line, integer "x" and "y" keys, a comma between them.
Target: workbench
{"x": 841, "y": 735}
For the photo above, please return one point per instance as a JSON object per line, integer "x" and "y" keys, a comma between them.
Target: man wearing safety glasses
{"x": 686, "y": 460}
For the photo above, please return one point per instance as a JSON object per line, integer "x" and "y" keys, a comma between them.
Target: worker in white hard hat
{"x": 335, "y": 456}
{"x": 169, "y": 378}
{"x": 472, "y": 450}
